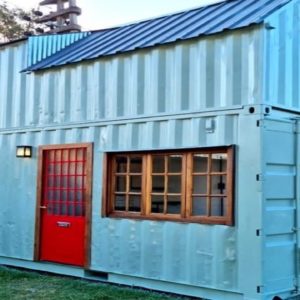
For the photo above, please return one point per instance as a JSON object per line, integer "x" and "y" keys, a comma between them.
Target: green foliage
{"x": 17, "y": 285}
{"x": 15, "y": 22}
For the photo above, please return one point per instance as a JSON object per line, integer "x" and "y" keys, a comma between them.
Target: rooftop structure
{"x": 64, "y": 19}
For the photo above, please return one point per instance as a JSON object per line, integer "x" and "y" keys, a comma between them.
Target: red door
{"x": 64, "y": 203}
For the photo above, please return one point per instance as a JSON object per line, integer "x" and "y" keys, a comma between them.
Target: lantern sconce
{"x": 24, "y": 151}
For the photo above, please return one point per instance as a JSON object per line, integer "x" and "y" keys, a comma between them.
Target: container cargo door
{"x": 64, "y": 203}
{"x": 280, "y": 202}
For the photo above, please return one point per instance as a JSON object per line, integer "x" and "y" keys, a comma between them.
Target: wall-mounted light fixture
{"x": 24, "y": 151}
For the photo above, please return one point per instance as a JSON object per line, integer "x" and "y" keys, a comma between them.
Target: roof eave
{"x": 13, "y": 42}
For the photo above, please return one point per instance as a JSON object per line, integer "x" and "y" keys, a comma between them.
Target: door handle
{"x": 63, "y": 224}
{"x": 43, "y": 207}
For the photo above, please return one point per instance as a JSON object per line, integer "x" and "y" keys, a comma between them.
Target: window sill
{"x": 172, "y": 218}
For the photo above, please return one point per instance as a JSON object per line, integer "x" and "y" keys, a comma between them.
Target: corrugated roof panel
{"x": 231, "y": 14}
{"x": 41, "y": 47}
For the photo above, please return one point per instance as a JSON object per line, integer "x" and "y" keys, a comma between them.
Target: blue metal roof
{"x": 43, "y": 46}
{"x": 207, "y": 20}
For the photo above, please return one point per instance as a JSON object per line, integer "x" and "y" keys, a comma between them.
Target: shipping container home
{"x": 162, "y": 154}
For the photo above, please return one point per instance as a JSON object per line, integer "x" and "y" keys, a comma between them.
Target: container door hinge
{"x": 259, "y": 232}
{"x": 259, "y": 289}
{"x": 260, "y": 177}
{"x": 260, "y": 123}
{"x": 296, "y": 290}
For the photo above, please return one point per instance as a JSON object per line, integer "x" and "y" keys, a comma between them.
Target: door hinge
{"x": 259, "y": 289}
{"x": 260, "y": 123}
{"x": 296, "y": 290}
{"x": 260, "y": 177}
{"x": 258, "y": 232}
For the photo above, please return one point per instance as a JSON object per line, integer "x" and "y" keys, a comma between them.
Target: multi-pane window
{"x": 192, "y": 186}
{"x": 127, "y": 183}
{"x": 165, "y": 183}
{"x": 210, "y": 193}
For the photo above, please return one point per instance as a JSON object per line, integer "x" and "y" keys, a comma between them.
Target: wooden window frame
{"x": 110, "y": 187}
{"x": 186, "y": 187}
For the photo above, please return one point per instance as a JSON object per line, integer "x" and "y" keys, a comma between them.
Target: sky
{"x": 99, "y": 14}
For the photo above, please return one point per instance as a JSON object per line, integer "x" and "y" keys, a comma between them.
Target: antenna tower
{"x": 64, "y": 19}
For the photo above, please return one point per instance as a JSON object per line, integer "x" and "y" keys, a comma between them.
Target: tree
{"x": 16, "y": 23}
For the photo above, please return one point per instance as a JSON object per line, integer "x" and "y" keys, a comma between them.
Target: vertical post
{"x": 73, "y": 17}
{"x": 60, "y": 7}
{"x": 249, "y": 203}
{"x": 297, "y": 194}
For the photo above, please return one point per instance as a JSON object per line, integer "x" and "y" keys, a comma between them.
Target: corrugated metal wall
{"x": 13, "y": 86}
{"x": 281, "y": 189}
{"x": 282, "y": 62}
{"x": 200, "y": 255}
{"x": 216, "y": 72}
{"x": 18, "y": 198}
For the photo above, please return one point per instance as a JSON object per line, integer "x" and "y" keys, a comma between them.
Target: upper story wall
{"x": 212, "y": 73}
{"x": 14, "y": 86}
{"x": 282, "y": 57}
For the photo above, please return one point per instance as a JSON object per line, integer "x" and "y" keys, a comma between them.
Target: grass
{"x": 21, "y": 285}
